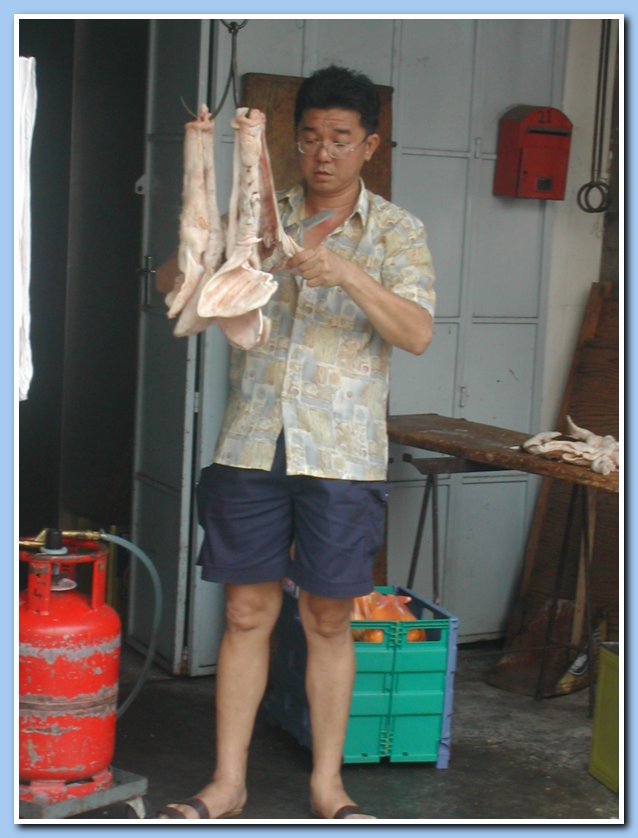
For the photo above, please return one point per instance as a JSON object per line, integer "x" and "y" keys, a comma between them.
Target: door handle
{"x": 147, "y": 273}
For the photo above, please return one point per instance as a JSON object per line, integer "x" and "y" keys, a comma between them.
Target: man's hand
{"x": 320, "y": 267}
{"x": 400, "y": 322}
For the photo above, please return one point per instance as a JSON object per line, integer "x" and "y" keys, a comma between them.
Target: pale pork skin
{"x": 274, "y": 239}
{"x": 240, "y": 285}
{"x": 585, "y": 448}
{"x": 233, "y": 292}
{"x": 201, "y": 241}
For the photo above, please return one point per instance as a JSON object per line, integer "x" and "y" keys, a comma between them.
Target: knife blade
{"x": 299, "y": 228}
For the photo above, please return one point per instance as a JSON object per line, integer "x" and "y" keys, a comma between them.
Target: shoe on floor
{"x": 350, "y": 812}
{"x": 196, "y": 803}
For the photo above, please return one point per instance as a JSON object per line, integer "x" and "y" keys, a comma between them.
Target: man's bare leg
{"x": 242, "y": 673}
{"x": 330, "y": 675}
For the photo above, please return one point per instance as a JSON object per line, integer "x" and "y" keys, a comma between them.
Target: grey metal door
{"x": 166, "y": 458}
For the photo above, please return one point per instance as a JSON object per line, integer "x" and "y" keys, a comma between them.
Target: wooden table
{"x": 486, "y": 445}
{"x": 472, "y": 446}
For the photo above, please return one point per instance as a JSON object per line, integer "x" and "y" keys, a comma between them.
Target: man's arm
{"x": 401, "y": 322}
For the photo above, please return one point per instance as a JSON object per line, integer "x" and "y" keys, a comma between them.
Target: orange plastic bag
{"x": 360, "y": 611}
{"x": 387, "y": 608}
{"x": 395, "y": 607}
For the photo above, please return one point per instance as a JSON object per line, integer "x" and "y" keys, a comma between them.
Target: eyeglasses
{"x": 335, "y": 150}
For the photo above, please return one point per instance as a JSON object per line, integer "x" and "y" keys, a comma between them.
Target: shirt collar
{"x": 294, "y": 196}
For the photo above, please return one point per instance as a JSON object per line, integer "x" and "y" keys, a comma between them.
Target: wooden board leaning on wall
{"x": 591, "y": 398}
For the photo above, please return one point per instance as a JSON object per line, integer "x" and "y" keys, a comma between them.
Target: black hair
{"x": 338, "y": 87}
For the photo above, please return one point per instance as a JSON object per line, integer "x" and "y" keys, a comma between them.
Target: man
{"x": 302, "y": 454}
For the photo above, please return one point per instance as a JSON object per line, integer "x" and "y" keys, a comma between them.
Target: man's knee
{"x": 252, "y": 607}
{"x": 324, "y": 617}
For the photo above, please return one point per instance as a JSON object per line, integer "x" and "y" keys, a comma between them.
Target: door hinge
{"x": 141, "y": 185}
{"x": 196, "y": 402}
{"x": 463, "y": 395}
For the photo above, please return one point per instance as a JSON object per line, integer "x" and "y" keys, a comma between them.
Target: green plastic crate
{"x": 403, "y": 692}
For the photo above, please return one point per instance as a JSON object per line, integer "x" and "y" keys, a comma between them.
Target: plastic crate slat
{"x": 418, "y": 704}
{"x": 370, "y": 704}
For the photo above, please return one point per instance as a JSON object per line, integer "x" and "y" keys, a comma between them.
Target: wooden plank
{"x": 552, "y": 497}
{"x": 591, "y": 398}
{"x": 600, "y": 295}
{"x": 493, "y": 446}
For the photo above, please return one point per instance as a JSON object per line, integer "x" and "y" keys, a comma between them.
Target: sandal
{"x": 345, "y": 813}
{"x": 196, "y": 803}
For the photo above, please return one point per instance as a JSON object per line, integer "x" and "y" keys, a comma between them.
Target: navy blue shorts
{"x": 252, "y": 517}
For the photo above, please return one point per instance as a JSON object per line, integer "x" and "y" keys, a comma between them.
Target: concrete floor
{"x": 513, "y": 759}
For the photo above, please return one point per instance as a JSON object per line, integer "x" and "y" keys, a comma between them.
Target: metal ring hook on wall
{"x": 594, "y": 195}
{"x": 589, "y": 191}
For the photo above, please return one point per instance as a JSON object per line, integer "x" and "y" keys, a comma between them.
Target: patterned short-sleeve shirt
{"x": 323, "y": 375}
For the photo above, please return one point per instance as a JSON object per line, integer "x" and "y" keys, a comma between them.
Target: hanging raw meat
{"x": 240, "y": 285}
{"x": 201, "y": 243}
{"x": 201, "y": 239}
{"x": 235, "y": 291}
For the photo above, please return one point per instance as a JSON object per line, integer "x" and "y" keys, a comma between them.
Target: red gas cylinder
{"x": 69, "y": 667}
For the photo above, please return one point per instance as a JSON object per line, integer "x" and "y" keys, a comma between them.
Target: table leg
{"x": 419, "y": 531}
{"x": 551, "y": 617}
{"x": 431, "y": 487}
{"x": 436, "y": 582}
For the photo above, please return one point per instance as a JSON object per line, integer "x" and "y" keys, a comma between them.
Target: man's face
{"x": 325, "y": 175}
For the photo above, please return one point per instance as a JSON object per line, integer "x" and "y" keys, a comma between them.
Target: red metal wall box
{"x": 532, "y": 153}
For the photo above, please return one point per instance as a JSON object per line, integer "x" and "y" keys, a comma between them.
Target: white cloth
{"x": 25, "y": 113}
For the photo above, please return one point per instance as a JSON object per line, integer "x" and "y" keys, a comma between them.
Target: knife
{"x": 299, "y": 228}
